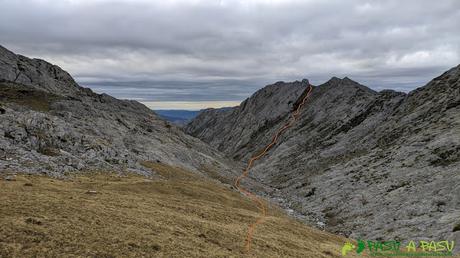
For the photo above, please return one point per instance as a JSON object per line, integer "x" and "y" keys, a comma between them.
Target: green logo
{"x": 361, "y": 246}
{"x": 395, "y": 248}
{"x": 347, "y": 247}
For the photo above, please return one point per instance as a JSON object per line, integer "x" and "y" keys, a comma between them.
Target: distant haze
{"x": 191, "y": 54}
{"x": 178, "y": 117}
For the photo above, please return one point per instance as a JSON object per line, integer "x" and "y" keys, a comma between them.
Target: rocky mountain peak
{"x": 254, "y": 116}
{"x": 6, "y": 54}
{"x": 346, "y": 84}
{"x": 333, "y": 81}
{"x": 351, "y": 143}
{"x": 451, "y": 78}
{"x": 49, "y": 124}
{"x": 36, "y": 73}
{"x": 454, "y": 72}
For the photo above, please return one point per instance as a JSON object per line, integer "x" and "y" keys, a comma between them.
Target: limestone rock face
{"x": 361, "y": 163}
{"x": 36, "y": 73}
{"x": 234, "y": 131}
{"x": 51, "y": 125}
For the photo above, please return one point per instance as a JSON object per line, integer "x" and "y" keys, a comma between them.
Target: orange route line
{"x": 255, "y": 199}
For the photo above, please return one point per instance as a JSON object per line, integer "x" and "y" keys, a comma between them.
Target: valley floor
{"x": 111, "y": 215}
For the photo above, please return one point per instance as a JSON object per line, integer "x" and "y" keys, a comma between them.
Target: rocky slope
{"x": 366, "y": 164}
{"x": 235, "y": 130}
{"x": 49, "y": 124}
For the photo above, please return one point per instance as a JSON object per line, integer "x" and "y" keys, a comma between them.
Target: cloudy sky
{"x": 198, "y": 53}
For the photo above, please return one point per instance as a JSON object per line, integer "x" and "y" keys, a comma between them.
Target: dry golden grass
{"x": 131, "y": 216}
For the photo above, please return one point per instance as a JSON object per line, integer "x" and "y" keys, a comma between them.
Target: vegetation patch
{"x": 26, "y": 96}
{"x": 49, "y": 151}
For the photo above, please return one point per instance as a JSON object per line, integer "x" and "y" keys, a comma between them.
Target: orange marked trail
{"x": 257, "y": 200}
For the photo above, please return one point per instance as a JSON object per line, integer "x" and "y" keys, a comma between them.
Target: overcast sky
{"x": 196, "y": 53}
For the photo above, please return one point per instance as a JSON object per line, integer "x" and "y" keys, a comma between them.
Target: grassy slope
{"x": 180, "y": 215}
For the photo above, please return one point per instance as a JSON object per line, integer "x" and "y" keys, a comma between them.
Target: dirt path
{"x": 261, "y": 206}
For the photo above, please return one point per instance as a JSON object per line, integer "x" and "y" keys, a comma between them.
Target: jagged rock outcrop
{"x": 36, "y": 73}
{"x": 49, "y": 124}
{"x": 361, "y": 163}
{"x": 235, "y": 130}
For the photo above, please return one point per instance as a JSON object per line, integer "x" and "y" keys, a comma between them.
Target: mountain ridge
{"x": 49, "y": 124}
{"x": 129, "y": 182}
{"x": 355, "y": 151}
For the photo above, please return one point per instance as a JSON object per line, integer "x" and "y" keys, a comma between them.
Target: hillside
{"x": 87, "y": 175}
{"x": 51, "y": 125}
{"x": 123, "y": 215}
{"x": 375, "y": 165}
{"x": 231, "y": 129}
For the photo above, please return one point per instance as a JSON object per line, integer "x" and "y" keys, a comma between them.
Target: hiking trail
{"x": 255, "y": 199}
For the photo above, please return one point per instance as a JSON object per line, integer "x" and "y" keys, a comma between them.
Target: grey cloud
{"x": 224, "y": 50}
{"x": 222, "y": 90}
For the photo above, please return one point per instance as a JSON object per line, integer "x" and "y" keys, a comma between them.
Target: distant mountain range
{"x": 178, "y": 117}
{"x": 183, "y": 117}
